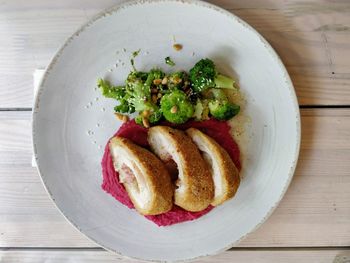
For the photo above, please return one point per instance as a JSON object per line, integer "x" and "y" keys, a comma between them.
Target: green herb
{"x": 136, "y": 53}
{"x": 169, "y": 62}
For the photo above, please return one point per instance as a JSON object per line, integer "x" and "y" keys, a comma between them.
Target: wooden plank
{"x": 289, "y": 256}
{"x": 314, "y": 212}
{"x": 312, "y": 38}
{"x": 26, "y": 211}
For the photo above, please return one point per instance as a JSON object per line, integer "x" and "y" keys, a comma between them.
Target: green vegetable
{"x": 176, "y": 107}
{"x": 177, "y": 80}
{"x": 223, "y": 110}
{"x": 177, "y": 96}
{"x": 138, "y": 120}
{"x": 136, "y": 53}
{"x": 132, "y": 60}
{"x": 219, "y": 106}
{"x": 152, "y": 75}
{"x": 204, "y": 76}
{"x": 169, "y": 61}
{"x": 155, "y": 116}
{"x": 109, "y": 91}
{"x": 124, "y": 107}
{"x": 139, "y": 91}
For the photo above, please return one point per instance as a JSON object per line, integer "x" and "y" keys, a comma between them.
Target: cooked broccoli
{"x": 219, "y": 106}
{"x": 109, "y": 91}
{"x": 223, "y": 110}
{"x": 124, "y": 107}
{"x": 154, "y": 74}
{"x": 155, "y": 116}
{"x": 204, "y": 75}
{"x": 176, "y": 107}
{"x": 139, "y": 91}
{"x": 177, "y": 96}
{"x": 177, "y": 80}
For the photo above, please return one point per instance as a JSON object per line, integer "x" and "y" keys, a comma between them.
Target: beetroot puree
{"x": 219, "y": 131}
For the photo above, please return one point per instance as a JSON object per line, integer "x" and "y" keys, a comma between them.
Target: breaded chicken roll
{"x": 194, "y": 186}
{"x": 143, "y": 175}
{"x": 224, "y": 172}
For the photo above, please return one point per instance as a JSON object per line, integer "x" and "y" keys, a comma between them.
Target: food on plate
{"x": 169, "y": 61}
{"x": 176, "y": 107}
{"x": 224, "y": 172}
{"x": 143, "y": 175}
{"x": 194, "y": 186}
{"x": 175, "y": 97}
{"x": 174, "y": 158}
{"x": 218, "y": 130}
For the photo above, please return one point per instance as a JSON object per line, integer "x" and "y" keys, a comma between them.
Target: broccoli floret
{"x": 154, "y": 74}
{"x": 139, "y": 92}
{"x": 177, "y": 80}
{"x": 109, "y": 91}
{"x": 176, "y": 107}
{"x": 135, "y": 76}
{"x": 124, "y": 107}
{"x": 201, "y": 110}
{"x": 204, "y": 75}
{"x": 219, "y": 106}
{"x": 223, "y": 110}
{"x": 155, "y": 116}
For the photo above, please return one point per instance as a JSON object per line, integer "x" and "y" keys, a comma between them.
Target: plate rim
{"x": 114, "y": 9}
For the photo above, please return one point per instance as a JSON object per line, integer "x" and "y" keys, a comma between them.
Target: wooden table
{"x": 312, "y": 223}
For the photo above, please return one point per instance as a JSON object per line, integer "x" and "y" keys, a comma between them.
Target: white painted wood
{"x": 312, "y": 38}
{"x": 261, "y": 256}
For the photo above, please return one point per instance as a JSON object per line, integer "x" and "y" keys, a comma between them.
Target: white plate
{"x": 67, "y": 107}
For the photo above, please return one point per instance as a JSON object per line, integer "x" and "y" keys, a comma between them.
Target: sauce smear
{"x": 219, "y": 131}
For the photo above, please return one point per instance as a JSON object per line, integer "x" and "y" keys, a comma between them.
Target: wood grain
{"x": 78, "y": 256}
{"x": 314, "y": 212}
{"x": 312, "y": 37}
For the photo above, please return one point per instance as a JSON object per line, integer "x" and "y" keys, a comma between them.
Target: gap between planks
{"x": 345, "y": 106}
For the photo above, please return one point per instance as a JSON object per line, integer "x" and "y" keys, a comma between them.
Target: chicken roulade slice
{"x": 224, "y": 172}
{"x": 194, "y": 185}
{"x": 143, "y": 175}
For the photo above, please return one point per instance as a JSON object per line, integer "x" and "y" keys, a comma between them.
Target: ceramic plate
{"x": 72, "y": 123}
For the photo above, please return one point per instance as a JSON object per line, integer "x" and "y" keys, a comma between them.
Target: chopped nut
{"x": 146, "y": 113}
{"x": 125, "y": 118}
{"x": 188, "y": 91}
{"x": 157, "y": 81}
{"x": 173, "y": 109}
{"x": 119, "y": 116}
{"x": 154, "y": 98}
{"x": 165, "y": 81}
{"x": 176, "y": 80}
{"x": 153, "y": 90}
{"x": 177, "y": 47}
{"x": 187, "y": 83}
{"x": 159, "y": 95}
{"x": 145, "y": 122}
